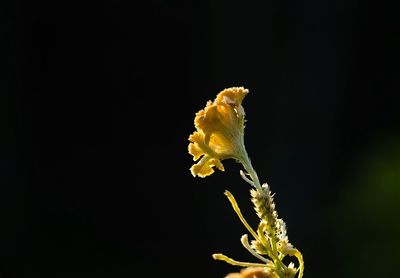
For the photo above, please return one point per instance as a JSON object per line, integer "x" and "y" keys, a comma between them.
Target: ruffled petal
{"x": 208, "y": 119}
{"x": 195, "y": 150}
{"x": 217, "y": 163}
{"x": 205, "y": 166}
{"x": 233, "y": 96}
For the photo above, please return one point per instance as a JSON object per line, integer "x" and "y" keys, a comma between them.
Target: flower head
{"x": 219, "y": 132}
{"x": 252, "y": 272}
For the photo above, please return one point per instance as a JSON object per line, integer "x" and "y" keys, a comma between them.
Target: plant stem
{"x": 250, "y": 170}
{"x": 272, "y": 239}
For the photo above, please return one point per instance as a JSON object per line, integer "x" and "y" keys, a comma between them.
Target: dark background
{"x": 98, "y": 100}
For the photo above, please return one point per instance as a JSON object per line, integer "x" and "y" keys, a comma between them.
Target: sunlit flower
{"x": 219, "y": 135}
{"x": 220, "y": 131}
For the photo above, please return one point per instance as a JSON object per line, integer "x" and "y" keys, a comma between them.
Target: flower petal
{"x": 217, "y": 163}
{"x": 234, "y": 96}
{"x": 205, "y": 166}
{"x": 208, "y": 119}
{"x": 195, "y": 150}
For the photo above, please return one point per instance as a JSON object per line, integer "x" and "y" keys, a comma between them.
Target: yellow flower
{"x": 251, "y": 272}
{"x": 220, "y": 131}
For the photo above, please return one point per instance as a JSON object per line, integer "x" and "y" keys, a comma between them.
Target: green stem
{"x": 253, "y": 175}
{"x": 250, "y": 170}
{"x": 273, "y": 254}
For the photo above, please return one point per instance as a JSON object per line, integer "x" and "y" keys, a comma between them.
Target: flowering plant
{"x": 219, "y": 135}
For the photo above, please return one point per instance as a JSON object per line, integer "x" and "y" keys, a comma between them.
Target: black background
{"x": 99, "y": 99}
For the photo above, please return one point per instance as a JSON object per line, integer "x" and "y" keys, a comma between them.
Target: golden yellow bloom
{"x": 220, "y": 131}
